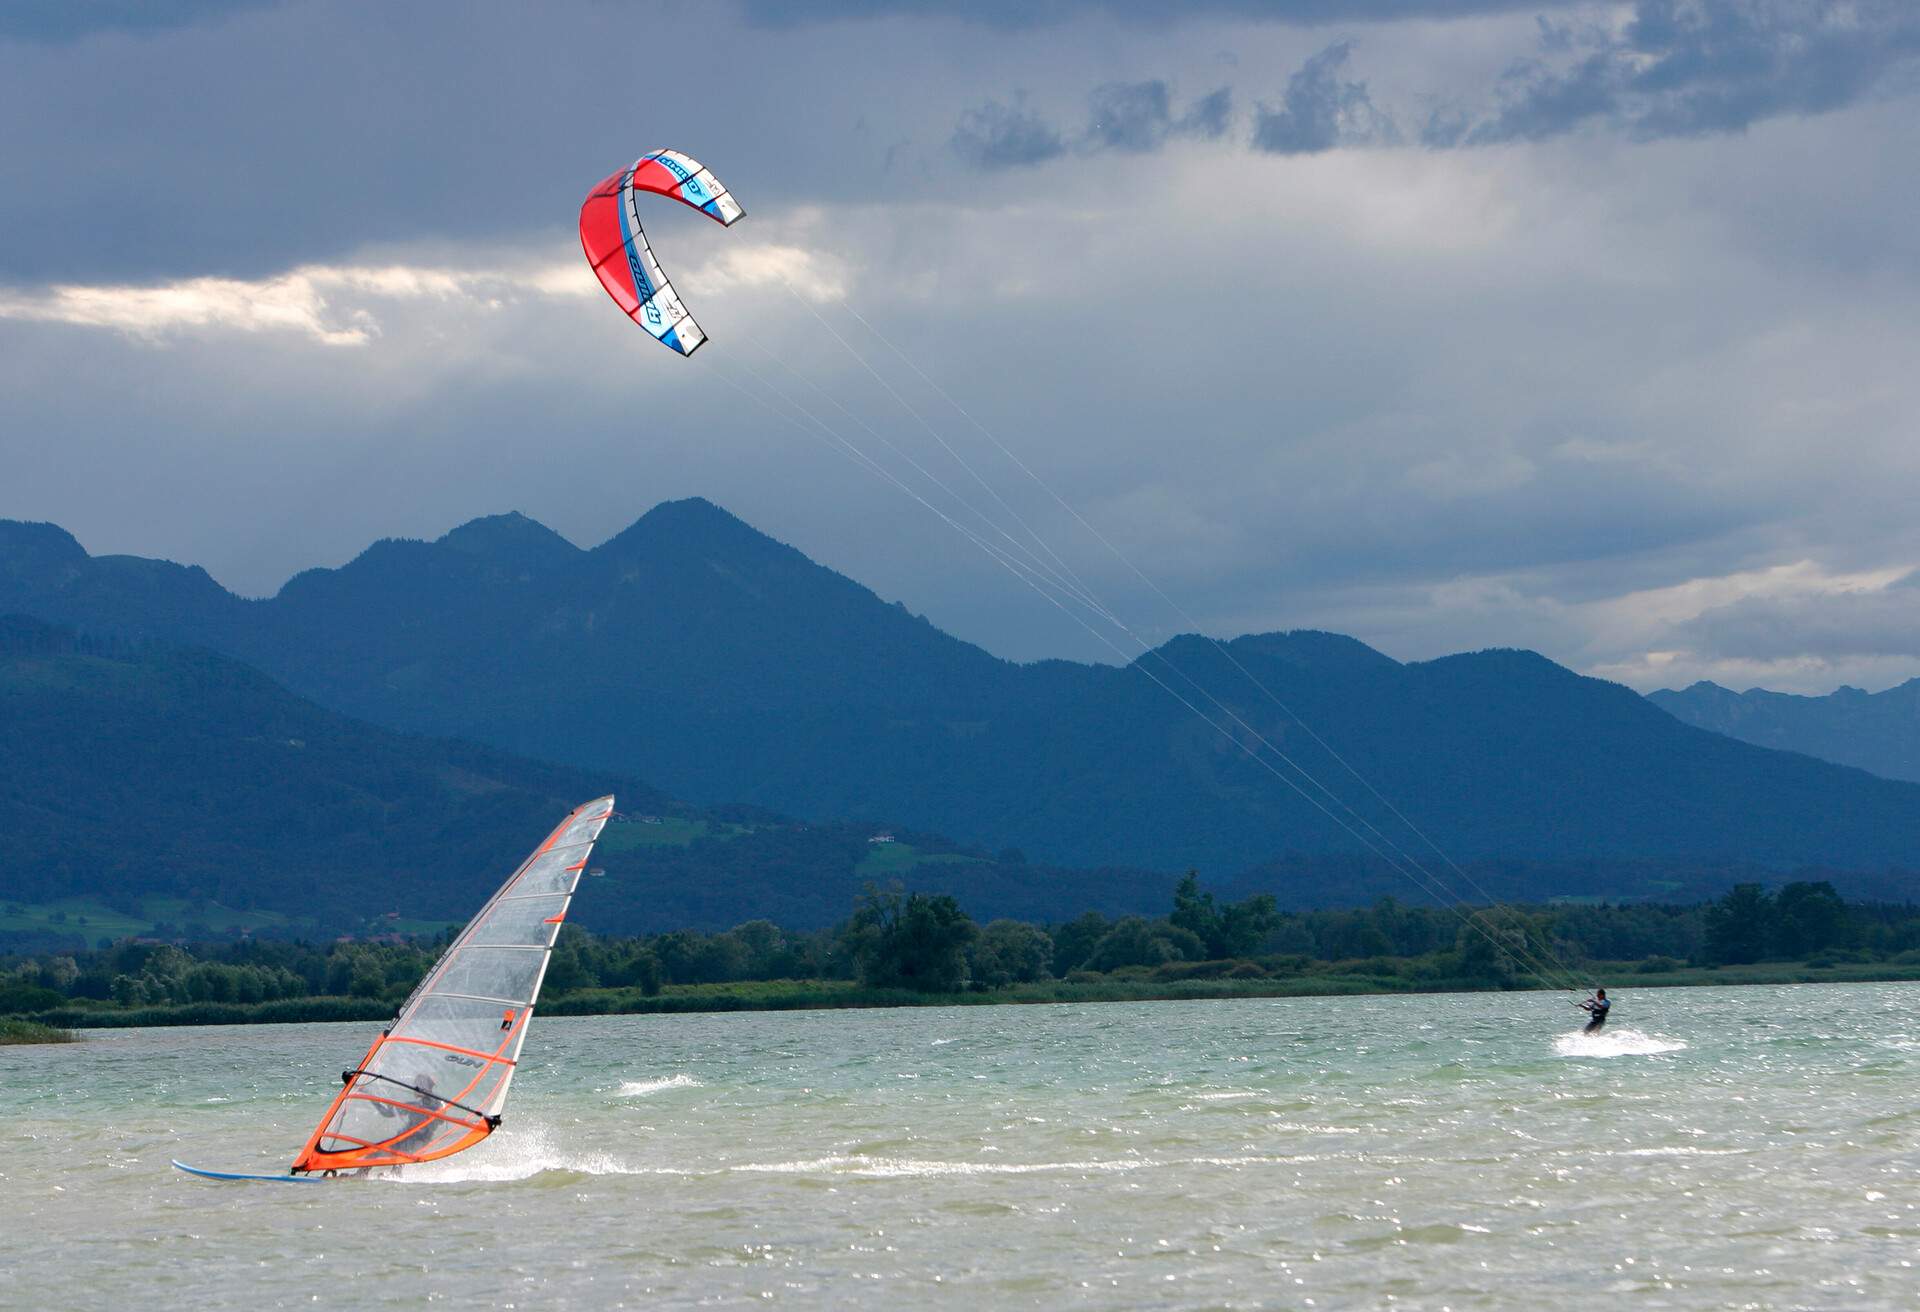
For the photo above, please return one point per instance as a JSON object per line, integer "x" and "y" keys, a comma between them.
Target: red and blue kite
{"x": 617, "y": 248}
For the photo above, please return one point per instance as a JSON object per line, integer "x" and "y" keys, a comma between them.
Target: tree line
{"x": 927, "y": 943}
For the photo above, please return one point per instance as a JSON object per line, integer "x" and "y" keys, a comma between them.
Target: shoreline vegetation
{"x": 14, "y": 1030}
{"x": 821, "y": 995}
{"x": 900, "y": 949}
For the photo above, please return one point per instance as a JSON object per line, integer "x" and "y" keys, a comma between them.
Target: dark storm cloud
{"x": 1689, "y": 67}
{"x": 1128, "y": 117}
{"x": 1321, "y": 110}
{"x": 1134, "y": 117}
{"x": 264, "y": 135}
{"x": 1208, "y": 116}
{"x": 59, "y": 21}
{"x": 1832, "y": 627}
{"x": 1678, "y": 68}
{"x": 1041, "y": 13}
{"x": 297, "y": 135}
{"x": 305, "y": 131}
{"x": 998, "y": 136}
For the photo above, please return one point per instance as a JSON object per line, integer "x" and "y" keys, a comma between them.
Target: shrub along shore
{"x": 15, "y": 1030}
{"x": 921, "y": 950}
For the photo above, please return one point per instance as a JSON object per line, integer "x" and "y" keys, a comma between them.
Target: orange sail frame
{"x": 435, "y": 1081}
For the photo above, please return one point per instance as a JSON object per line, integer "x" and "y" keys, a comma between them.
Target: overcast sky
{"x": 1444, "y": 323}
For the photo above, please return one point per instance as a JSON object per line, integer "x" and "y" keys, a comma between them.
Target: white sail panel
{"x": 555, "y": 870}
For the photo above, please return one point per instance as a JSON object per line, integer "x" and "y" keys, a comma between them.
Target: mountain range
{"x": 161, "y": 790}
{"x": 1877, "y": 731}
{"x": 147, "y": 783}
{"x": 718, "y": 665}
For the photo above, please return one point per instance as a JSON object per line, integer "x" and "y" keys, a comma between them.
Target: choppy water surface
{"x": 1729, "y": 1148}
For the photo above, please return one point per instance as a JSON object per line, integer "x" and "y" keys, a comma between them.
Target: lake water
{"x": 1716, "y": 1148}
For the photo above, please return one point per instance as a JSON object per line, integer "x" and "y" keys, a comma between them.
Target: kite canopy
{"x": 436, "y": 1081}
{"x": 617, "y": 248}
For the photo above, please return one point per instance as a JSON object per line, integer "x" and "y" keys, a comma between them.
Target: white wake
{"x": 518, "y": 1154}
{"x": 642, "y": 1088}
{"x": 1613, "y": 1043}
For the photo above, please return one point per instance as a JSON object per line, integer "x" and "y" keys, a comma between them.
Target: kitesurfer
{"x": 1597, "y": 1007}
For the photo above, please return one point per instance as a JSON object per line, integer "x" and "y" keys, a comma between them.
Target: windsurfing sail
{"x": 617, "y": 247}
{"x": 435, "y": 1082}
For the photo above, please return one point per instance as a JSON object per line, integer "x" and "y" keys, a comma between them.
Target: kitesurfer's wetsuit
{"x": 1598, "y": 1009}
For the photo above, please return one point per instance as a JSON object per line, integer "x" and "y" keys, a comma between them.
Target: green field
{"x": 411, "y": 928}
{"x": 883, "y": 859}
{"x": 93, "y": 920}
{"x": 669, "y": 832}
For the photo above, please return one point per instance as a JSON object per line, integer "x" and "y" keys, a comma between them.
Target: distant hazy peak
{"x": 1312, "y": 646}
{"x": 46, "y": 562}
{"x": 693, "y": 522}
{"x": 1301, "y": 648}
{"x": 694, "y": 513}
{"x": 1511, "y": 661}
{"x": 512, "y": 534}
{"x": 1876, "y": 731}
{"x": 30, "y": 530}
{"x": 44, "y": 543}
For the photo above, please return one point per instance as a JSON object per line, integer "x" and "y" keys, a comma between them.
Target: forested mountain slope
{"x": 155, "y": 789}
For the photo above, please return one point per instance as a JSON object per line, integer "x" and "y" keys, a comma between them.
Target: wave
{"x": 1615, "y": 1043}
{"x": 887, "y": 1167}
{"x": 1306, "y": 1127}
{"x": 895, "y": 1167}
{"x": 641, "y": 1088}
{"x": 531, "y": 1152}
